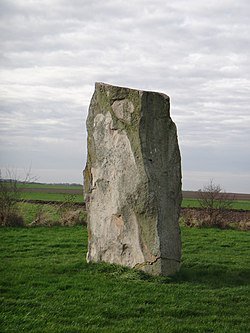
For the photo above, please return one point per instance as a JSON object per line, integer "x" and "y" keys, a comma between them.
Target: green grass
{"x": 51, "y": 196}
{"x": 51, "y": 186}
{"x": 189, "y": 203}
{"x": 237, "y": 204}
{"x": 186, "y": 203}
{"x": 47, "y": 286}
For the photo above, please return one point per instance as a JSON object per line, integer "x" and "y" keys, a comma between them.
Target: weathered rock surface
{"x": 133, "y": 180}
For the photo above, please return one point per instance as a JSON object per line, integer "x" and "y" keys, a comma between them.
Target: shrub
{"x": 13, "y": 219}
{"x": 9, "y": 195}
{"x": 189, "y": 218}
{"x": 244, "y": 225}
{"x": 194, "y": 217}
{"x": 70, "y": 213}
{"x": 215, "y": 204}
{"x": 73, "y": 217}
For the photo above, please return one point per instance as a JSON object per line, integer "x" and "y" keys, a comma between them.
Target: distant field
{"x": 79, "y": 188}
{"x": 237, "y": 204}
{"x": 233, "y": 196}
{"x": 78, "y": 198}
{"x": 52, "y": 186}
{"x": 52, "y": 192}
{"x": 46, "y": 196}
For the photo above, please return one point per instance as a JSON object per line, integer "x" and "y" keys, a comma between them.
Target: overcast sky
{"x": 197, "y": 52}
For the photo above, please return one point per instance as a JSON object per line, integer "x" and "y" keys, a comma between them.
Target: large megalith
{"x": 132, "y": 180}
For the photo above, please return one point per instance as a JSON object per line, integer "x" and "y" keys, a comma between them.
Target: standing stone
{"x": 133, "y": 180}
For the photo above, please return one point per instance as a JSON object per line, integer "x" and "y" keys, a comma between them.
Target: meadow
{"x": 47, "y": 286}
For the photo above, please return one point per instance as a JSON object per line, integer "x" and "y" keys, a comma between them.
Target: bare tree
{"x": 216, "y": 204}
{"x": 10, "y": 194}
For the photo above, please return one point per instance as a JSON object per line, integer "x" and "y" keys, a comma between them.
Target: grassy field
{"x": 186, "y": 203}
{"x": 52, "y": 186}
{"x": 43, "y": 195}
{"x": 47, "y": 286}
{"x": 52, "y": 196}
{"x": 236, "y": 204}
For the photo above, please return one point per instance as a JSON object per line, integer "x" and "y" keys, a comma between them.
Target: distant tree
{"x": 216, "y": 204}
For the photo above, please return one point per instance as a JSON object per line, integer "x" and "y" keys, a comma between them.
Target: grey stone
{"x": 132, "y": 180}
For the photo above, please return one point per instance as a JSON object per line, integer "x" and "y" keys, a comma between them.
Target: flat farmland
{"x": 235, "y": 196}
{"x": 241, "y": 201}
{"x": 44, "y": 192}
{"x": 78, "y": 189}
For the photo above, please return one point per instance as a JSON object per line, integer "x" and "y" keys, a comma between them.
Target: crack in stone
{"x": 140, "y": 265}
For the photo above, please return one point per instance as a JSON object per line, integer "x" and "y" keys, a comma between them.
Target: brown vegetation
{"x": 215, "y": 210}
{"x": 9, "y": 213}
{"x": 196, "y": 217}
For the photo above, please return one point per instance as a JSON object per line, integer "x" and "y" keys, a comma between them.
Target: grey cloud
{"x": 212, "y": 159}
{"x": 196, "y": 52}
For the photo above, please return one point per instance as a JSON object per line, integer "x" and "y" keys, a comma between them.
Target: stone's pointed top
{"x": 110, "y": 86}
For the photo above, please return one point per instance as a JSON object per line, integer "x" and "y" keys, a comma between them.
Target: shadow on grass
{"x": 211, "y": 276}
